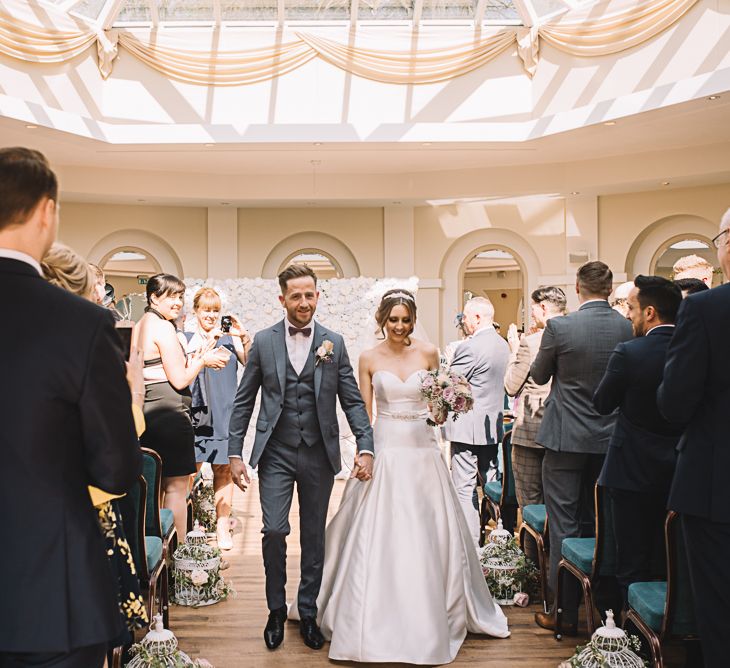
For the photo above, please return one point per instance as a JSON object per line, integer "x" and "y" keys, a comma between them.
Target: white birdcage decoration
{"x": 500, "y": 558}
{"x": 197, "y": 572}
{"x": 158, "y": 649}
{"x": 609, "y": 647}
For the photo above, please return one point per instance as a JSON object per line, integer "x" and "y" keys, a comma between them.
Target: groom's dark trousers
{"x": 279, "y": 468}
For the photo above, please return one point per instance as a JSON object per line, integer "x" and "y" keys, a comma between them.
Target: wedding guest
{"x": 476, "y": 435}
{"x": 527, "y": 455}
{"x": 691, "y": 286}
{"x": 450, "y": 349}
{"x": 168, "y": 375}
{"x": 214, "y": 393}
{"x": 67, "y": 270}
{"x": 574, "y": 352}
{"x": 694, "y": 394}
{"x": 618, "y": 299}
{"x": 641, "y": 453}
{"x": 693, "y": 266}
{"x": 67, "y": 424}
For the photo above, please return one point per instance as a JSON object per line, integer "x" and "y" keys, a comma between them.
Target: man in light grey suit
{"x": 574, "y": 352}
{"x": 476, "y": 435}
{"x": 301, "y": 368}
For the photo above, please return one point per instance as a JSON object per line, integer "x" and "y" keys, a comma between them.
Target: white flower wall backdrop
{"x": 346, "y": 305}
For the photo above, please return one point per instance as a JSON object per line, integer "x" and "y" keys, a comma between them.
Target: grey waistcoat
{"x": 298, "y": 421}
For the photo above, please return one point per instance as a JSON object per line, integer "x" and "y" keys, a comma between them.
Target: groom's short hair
{"x": 295, "y": 271}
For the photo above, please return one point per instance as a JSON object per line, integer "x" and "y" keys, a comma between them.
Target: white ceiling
{"x": 682, "y": 144}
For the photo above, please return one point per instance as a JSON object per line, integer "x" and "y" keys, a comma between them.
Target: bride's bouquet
{"x": 445, "y": 392}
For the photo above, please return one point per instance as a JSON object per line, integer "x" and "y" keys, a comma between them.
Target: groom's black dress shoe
{"x": 274, "y": 631}
{"x": 310, "y": 632}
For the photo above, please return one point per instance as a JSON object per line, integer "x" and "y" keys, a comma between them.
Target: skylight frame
{"x": 108, "y": 17}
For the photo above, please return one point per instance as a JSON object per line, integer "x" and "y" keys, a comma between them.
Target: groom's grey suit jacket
{"x": 266, "y": 370}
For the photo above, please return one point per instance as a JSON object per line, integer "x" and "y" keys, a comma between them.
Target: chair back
{"x": 679, "y": 617}
{"x": 604, "y": 555}
{"x": 509, "y": 496}
{"x": 152, "y": 472}
{"x": 138, "y": 495}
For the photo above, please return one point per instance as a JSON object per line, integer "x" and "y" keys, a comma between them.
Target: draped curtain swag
{"x": 601, "y": 29}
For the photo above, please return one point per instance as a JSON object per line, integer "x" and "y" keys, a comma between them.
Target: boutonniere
{"x": 325, "y": 352}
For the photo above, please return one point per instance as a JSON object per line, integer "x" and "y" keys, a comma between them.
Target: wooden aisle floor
{"x": 229, "y": 634}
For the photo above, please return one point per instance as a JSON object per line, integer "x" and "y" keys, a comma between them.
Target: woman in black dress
{"x": 168, "y": 373}
{"x": 213, "y": 393}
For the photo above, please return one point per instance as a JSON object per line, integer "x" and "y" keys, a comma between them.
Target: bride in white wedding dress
{"x": 402, "y": 581}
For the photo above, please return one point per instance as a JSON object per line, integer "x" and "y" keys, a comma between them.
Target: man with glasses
{"x": 695, "y": 394}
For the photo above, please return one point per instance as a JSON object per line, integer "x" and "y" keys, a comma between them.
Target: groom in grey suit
{"x": 301, "y": 368}
{"x": 475, "y": 436}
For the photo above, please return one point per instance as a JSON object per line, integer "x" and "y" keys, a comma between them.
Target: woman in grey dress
{"x": 213, "y": 393}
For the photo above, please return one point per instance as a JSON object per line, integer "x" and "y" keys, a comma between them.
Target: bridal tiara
{"x": 400, "y": 295}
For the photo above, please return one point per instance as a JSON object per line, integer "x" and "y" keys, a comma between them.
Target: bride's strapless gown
{"x": 402, "y": 581}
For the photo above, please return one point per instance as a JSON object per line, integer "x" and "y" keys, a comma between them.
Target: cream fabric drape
{"x": 44, "y": 36}
{"x": 411, "y": 67}
{"x": 227, "y": 68}
{"x": 26, "y": 36}
{"x": 612, "y": 26}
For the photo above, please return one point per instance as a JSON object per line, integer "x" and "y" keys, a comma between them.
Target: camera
{"x": 226, "y": 324}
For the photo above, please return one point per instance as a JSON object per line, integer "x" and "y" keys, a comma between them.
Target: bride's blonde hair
{"x": 391, "y": 299}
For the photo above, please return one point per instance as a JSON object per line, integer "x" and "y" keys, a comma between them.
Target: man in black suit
{"x": 641, "y": 453}
{"x": 574, "y": 352}
{"x": 695, "y": 393}
{"x": 67, "y": 424}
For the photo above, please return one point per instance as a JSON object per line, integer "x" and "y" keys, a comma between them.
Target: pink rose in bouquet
{"x": 447, "y": 394}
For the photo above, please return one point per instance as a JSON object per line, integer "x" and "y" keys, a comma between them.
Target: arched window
{"x": 324, "y": 265}
{"x": 690, "y": 248}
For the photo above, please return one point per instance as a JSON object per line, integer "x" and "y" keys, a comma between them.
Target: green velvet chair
{"x": 159, "y": 521}
{"x": 500, "y": 500}
{"x": 149, "y": 558}
{"x": 663, "y": 610}
{"x": 588, "y": 559}
{"x": 534, "y": 524}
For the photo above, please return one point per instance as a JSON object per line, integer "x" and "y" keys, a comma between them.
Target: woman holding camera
{"x": 168, "y": 373}
{"x": 213, "y": 394}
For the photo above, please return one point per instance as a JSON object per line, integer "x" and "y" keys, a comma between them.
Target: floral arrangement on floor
{"x": 609, "y": 647}
{"x": 204, "y": 506}
{"x": 446, "y": 393}
{"x": 159, "y": 649}
{"x": 511, "y": 577}
{"x": 197, "y": 576}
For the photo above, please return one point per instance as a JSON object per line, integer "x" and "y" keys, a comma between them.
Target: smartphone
{"x": 226, "y": 324}
{"x": 125, "y": 337}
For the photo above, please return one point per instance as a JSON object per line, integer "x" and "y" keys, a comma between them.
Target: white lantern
{"x": 609, "y": 647}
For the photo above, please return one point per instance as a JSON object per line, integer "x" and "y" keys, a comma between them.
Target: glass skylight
{"x": 126, "y": 12}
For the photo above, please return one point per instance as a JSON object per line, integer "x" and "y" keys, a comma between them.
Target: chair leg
{"x": 559, "y": 603}
{"x": 655, "y": 647}
{"x": 117, "y": 653}
{"x": 165, "y": 595}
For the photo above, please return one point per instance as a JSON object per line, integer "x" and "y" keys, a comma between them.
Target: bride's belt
{"x": 403, "y": 415}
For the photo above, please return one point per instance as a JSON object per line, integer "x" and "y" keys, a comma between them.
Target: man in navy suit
{"x": 641, "y": 453}
{"x": 696, "y": 394}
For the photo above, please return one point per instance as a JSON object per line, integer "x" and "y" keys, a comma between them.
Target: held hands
{"x": 363, "y": 468}
{"x": 239, "y": 473}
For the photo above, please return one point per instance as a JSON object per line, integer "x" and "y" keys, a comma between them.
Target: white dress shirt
{"x": 23, "y": 257}
{"x": 298, "y": 345}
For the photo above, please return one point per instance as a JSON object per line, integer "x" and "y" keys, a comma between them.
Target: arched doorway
{"x": 496, "y": 273}
{"x": 324, "y": 265}
{"x": 456, "y": 259}
{"x": 669, "y": 253}
{"x": 127, "y": 270}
